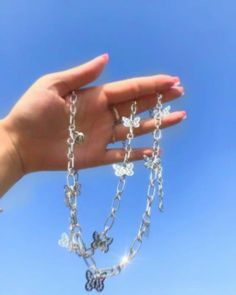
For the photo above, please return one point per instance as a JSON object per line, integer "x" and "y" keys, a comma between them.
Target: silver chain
{"x": 74, "y": 242}
{"x": 101, "y": 240}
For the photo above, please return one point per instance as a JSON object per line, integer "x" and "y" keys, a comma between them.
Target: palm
{"x": 39, "y": 120}
{"x": 43, "y": 132}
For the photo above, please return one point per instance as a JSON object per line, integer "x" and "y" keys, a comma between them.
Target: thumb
{"x": 79, "y": 76}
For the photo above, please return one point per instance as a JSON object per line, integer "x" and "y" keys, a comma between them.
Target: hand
{"x": 38, "y": 124}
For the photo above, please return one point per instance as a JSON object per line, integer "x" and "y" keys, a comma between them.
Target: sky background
{"x": 191, "y": 249}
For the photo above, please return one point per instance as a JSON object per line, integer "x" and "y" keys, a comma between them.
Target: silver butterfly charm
{"x": 95, "y": 281}
{"x": 64, "y": 241}
{"x": 151, "y": 163}
{"x": 123, "y": 169}
{"x": 164, "y": 112}
{"x": 79, "y": 137}
{"x": 131, "y": 123}
{"x": 101, "y": 241}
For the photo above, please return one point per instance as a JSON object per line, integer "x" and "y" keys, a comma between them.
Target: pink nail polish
{"x": 147, "y": 152}
{"x": 176, "y": 79}
{"x": 177, "y": 84}
{"x": 105, "y": 56}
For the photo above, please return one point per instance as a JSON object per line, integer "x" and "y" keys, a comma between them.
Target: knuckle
{"x": 45, "y": 80}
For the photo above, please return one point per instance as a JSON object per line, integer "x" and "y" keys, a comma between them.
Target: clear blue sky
{"x": 192, "y": 246}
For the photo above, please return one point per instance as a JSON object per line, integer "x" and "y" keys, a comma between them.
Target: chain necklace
{"x": 74, "y": 241}
{"x": 101, "y": 240}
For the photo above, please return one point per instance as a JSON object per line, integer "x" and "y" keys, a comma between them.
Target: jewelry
{"x": 79, "y": 137}
{"x": 101, "y": 240}
{"x": 74, "y": 242}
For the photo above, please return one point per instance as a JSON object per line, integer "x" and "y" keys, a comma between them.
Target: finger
{"x": 148, "y": 101}
{"x": 117, "y": 155}
{"x": 148, "y": 125}
{"x": 77, "y": 77}
{"x": 121, "y": 91}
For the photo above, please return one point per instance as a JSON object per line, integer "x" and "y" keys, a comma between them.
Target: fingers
{"x": 148, "y": 125}
{"x": 149, "y": 101}
{"x": 77, "y": 77}
{"x": 121, "y": 91}
{"x": 117, "y": 155}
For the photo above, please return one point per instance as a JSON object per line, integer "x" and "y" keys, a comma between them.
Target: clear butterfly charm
{"x": 151, "y": 163}
{"x": 165, "y": 111}
{"x": 64, "y": 241}
{"x": 123, "y": 169}
{"x": 155, "y": 112}
{"x": 131, "y": 123}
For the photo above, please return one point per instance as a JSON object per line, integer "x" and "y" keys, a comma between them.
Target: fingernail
{"x": 184, "y": 116}
{"x": 147, "y": 152}
{"x": 105, "y": 56}
{"x": 177, "y": 84}
{"x": 176, "y": 79}
{"x": 179, "y": 88}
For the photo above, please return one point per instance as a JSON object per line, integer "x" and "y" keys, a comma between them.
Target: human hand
{"x": 38, "y": 124}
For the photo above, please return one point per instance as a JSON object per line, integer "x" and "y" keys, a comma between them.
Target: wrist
{"x": 11, "y": 165}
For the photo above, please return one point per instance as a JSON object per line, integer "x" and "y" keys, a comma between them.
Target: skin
{"x": 35, "y": 131}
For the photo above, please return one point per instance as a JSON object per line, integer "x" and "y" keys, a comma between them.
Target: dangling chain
{"x": 74, "y": 242}
{"x": 101, "y": 240}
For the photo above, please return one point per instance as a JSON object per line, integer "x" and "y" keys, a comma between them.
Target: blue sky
{"x": 191, "y": 248}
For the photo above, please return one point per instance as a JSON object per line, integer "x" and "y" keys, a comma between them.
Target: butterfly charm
{"x": 151, "y": 163}
{"x": 64, "y": 241}
{"x": 123, "y": 169}
{"x": 164, "y": 112}
{"x": 72, "y": 190}
{"x": 131, "y": 123}
{"x": 79, "y": 137}
{"x": 101, "y": 242}
{"x": 95, "y": 281}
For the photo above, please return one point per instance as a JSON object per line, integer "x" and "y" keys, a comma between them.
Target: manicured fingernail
{"x": 179, "y": 88}
{"x": 177, "y": 84}
{"x": 184, "y": 116}
{"x": 147, "y": 152}
{"x": 105, "y": 56}
{"x": 176, "y": 79}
